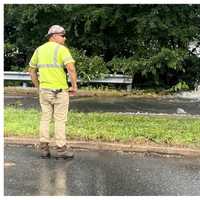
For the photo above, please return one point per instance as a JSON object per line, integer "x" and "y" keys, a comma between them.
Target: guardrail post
{"x": 129, "y": 88}
{"x": 24, "y": 84}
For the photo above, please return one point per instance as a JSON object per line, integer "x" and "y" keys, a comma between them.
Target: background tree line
{"x": 148, "y": 42}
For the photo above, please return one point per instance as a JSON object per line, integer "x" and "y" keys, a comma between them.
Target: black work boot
{"x": 44, "y": 150}
{"x": 64, "y": 152}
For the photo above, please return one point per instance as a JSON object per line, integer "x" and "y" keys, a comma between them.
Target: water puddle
{"x": 9, "y": 164}
{"x": 181, "y": 103}
{"x": 193, "y": 96}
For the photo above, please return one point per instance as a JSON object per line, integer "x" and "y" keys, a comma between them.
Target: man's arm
{"x": 34, "y": 76}
{"x": 73, "y": 76}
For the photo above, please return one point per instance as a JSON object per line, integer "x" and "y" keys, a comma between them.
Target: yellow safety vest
{"x": 51, "y": 59}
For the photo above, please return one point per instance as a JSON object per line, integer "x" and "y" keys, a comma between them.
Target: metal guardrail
{"x": 110, "y": 78}
{"x": 21, "y": 76}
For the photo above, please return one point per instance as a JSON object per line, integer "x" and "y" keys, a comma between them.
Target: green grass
{"x": 110, "y": 127}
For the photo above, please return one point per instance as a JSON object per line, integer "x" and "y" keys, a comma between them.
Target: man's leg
{"x": 60, "y": 117}
{"x": 46, "y": 99}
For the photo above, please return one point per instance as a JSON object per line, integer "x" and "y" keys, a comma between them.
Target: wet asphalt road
{"x": 98, "y": 173}
{"x": 116, "y": 104}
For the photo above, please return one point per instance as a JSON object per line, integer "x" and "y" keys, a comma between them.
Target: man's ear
{"x": 53, "y": 36}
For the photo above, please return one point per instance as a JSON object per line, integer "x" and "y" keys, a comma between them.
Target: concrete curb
{"x": 133, "y": 148}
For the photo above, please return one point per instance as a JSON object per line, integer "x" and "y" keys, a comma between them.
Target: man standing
{"x": 50, "y": 60}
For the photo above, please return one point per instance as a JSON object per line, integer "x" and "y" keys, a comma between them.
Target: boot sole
{"x": 63, "y": 157}
{"x": 45, "y": 157}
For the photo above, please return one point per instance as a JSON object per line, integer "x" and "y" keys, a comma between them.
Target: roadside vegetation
{"x": 157, "y": 45}
{"x": 109, "y": 127}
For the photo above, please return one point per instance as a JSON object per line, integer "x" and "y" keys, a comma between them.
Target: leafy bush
{"x": 154, "y": 66}
{"x": 89, "y": 68}
{"x": 127, "y": 66}
{"x": 182, "y": 85}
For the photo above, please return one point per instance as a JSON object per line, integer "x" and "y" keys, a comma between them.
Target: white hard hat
{"x": 56, "y": 29}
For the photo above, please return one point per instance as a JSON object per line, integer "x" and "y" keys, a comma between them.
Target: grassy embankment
{"x": 164, "y": 130}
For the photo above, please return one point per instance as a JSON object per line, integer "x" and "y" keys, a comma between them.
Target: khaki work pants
{"x": 56, "y": 106}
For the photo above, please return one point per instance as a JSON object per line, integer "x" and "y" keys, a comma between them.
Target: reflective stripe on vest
{"x": 55, "y": 56}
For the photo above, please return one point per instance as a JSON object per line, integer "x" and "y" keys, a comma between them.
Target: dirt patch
{"x": 30, "y": 91}
{"x": 19, "y": 91}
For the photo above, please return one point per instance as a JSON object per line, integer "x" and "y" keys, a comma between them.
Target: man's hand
{"x": 73, "y": 91}
{"x": 34, "y": 76}
{"x": 72, "y": 73}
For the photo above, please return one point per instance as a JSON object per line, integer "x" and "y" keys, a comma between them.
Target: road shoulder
{"x": 131, "y": 148}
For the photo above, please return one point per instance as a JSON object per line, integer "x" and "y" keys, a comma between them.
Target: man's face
{"x": 59, "y": 38}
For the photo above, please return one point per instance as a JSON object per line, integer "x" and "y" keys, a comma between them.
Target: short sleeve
{"x": 66, "y": 56}
{"x": 34, "y": 59}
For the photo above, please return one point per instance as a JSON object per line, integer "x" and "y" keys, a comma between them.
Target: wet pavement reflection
{"x": 116, "y": 104}
{"x": 98, "y": 173}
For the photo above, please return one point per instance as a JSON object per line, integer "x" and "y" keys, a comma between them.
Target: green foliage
{"x": 192, "y": 70}
{"x": 110, "y": 127}
{"x": 182, "y": 85}
{"x": 162, "y": 62}
{"x": 149, "y": 40}
{"x": 125, "y": 65}
{"x": 154, "y": 66}
{"x": 89, "y": 68}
